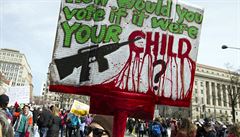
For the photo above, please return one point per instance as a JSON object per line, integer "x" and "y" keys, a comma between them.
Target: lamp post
{"x": 227, "y": 47}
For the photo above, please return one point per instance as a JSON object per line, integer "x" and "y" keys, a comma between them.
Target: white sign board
{"x": 20, "y": 94}
{"x": 128, "y": 45}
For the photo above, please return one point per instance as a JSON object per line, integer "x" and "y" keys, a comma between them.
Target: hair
{"x": 235, "y": 129}
{"x": 55, "y": 111}
{"x": 26, "y": 106}
{"x": 192, "y": 130}
{"x": 187, "y": 126}
{"x": 105, "y": 121}
{"x": 4, "y": 105}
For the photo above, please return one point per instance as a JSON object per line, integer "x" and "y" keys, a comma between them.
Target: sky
{"x": 30, "y": 27}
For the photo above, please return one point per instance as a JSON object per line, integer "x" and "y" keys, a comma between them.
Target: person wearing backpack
{"x": 156, "y": 128}
{"x": 73, "y": 123}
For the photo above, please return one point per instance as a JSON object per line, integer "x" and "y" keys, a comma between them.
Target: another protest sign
{"x": 79, "y": 108}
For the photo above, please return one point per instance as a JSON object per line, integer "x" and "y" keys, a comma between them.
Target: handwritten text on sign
{"x": 129, "y": 45}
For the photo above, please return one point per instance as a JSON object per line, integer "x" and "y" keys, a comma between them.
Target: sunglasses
{"x": 97, "y": 132}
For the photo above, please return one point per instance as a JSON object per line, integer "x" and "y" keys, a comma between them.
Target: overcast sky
{"x": 30, "y": 26}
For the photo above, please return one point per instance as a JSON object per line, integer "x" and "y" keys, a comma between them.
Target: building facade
{"x": 4, "y": 84}
{"x": 60, "y": 100}
{"x": 14, "y": 66}
{"x": 211, "y": 94}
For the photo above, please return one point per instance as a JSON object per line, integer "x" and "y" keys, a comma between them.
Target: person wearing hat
{"x": 5, "y": 126}
{"x": 209, "y": 129}
{"x": 101, "y": 126}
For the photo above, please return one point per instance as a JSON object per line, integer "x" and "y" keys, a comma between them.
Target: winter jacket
{"x": 28, "y": 125}
{"x": 7, "y": 130}
{"x": 54, "y": 129}
{"x": 45, "y": 119}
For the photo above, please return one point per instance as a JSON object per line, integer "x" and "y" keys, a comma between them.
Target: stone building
{"x": 210, "y": 96}
{"x": 14, "y": 66}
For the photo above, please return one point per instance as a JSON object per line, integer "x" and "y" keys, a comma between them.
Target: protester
{"x": 63, "y": 117}
{"x": 36, "y": 114}
{"x": 73, "y": 123}
{"x": 200, "y": 130}
{"x": 141, "y": 128}
{"x": 82, "y": 127}
{"x": 56, "y": 123}
{"x": 6, "y": 129}
{"x": 174, "y": 127}
{"x": 16, "y": 113}
{"x": 24, "y": 123}
{"x": 234, "y": 131}
{"x": 101, "y": 126}
{"x": 164, "y": 128}
{"x": 130, "y": 125}
{"x": 186, "y": 129}
{"x": 67, "y": 121}
{"x": 156, "y": 128}
{"x": 209, "y": 130}
{"x": 88, "y": 119}
{"x": 44, "y": 121}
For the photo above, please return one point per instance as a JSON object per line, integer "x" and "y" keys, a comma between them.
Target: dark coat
{"x": 45, "y": 119}
{"x": 54, "y": 129}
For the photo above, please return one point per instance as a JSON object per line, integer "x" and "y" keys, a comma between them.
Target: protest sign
{"x": 20, "y": 94}
{"x": 127, "y": 55}
{"x": 136, "y": 46}
{"x": 79, "y": 108}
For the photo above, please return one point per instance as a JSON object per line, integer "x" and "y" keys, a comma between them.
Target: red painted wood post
{"x": 119, "y": 123}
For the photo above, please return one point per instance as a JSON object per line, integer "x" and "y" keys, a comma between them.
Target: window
{"x": 236, "y": 113}
{"x": 209, "y": 110}
{"x": 201, "y": 83}
{"x": 202, "y": 101}
{"x": 196, "y": 99}
{"x": 220, "y": 111}
{"x": 201, "y": 91}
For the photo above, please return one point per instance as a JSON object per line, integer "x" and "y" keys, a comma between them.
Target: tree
{"x": 233, "y": 91}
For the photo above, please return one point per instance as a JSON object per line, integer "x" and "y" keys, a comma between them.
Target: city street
{"x": 74, "y": 68}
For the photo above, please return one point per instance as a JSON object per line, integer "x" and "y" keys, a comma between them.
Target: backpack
{"x": 156, "y": 130}
{"x": 75, "y": 122}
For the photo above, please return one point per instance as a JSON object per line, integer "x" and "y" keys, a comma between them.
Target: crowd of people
{"x": 183, "y": 127}
{"x": 49, "y": 122}
{"x": 27, "y": 121}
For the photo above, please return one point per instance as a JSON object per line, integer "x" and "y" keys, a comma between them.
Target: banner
{"x": 79, "y": 108}
{"x": 137, "y": 46}
{"x": 20, "y": 94}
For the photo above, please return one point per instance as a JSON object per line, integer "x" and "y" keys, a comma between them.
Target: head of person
{"x": 55, "y": 111}
{"x": 51, "y": 107}
{"x": 234, "y": 129}
{"x": 184, "y": 123}
{"x": 26, "y": 109}
{"x": 207, "y": 125}
{"x": 101, "y": 126}
{"x": 192, "y": 131}
{"x": 4, "y": 100}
